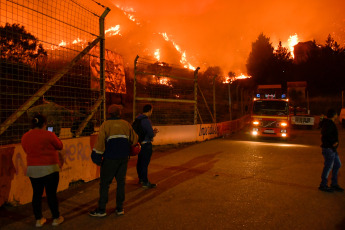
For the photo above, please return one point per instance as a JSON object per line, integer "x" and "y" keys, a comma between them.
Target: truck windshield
{"x": 270, "y": 108}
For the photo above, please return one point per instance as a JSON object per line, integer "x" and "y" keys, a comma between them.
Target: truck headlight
{"x": 283, "y": 124}
{"x": 256, "y": 122}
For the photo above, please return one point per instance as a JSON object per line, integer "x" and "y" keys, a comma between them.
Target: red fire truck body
{"x": 270, "y": 113}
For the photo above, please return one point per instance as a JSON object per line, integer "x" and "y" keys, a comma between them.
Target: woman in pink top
{"x": 42, "y": 153}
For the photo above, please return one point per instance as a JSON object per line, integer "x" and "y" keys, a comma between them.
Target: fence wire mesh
{"x": 37, "y": 40}
{"x": 174, "y": 91}
{"x": 168, "y": 88}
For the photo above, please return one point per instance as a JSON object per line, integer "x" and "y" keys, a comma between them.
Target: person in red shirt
{"x": 43, "y": 166}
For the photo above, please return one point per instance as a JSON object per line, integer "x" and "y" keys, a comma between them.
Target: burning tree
{"x": 18, "y": 45}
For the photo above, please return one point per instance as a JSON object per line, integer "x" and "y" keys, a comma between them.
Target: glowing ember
{"x": 115, "y": 30}
{"x": 157, "y": 54}
{"x": 163, "y": 81}
{"x": 183, "y": 60}
{"x": 62, "y": 43}
{"x": 293, "y": 40}
{"x": 77, "y": 41}
{"x": 54, "y": 47}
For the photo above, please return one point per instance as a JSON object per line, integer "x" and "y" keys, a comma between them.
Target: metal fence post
{"x": 102, "y": 64}
{"x": 134, "y": 85}
{"x": 229, "y": 91}
{"x": 196, "y": 95}
{"x": 214, "y": 99}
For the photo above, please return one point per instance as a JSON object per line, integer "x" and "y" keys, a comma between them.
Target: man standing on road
{"x": 330, "y": 142}
{"x": 111, "y": 152}
{"x": 145, "y": 154}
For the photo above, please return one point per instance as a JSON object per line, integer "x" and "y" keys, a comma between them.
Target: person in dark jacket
{"x": 111, "y": 152}
{"x": 330, "y": 143}
{"x": 145, "y": 154}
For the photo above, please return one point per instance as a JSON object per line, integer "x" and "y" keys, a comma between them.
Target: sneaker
{"x": 149, "y": 185}
{"x": 325, "y": 189}
{"x": 58, "y": 221}
{"x": 337, "y": 188}
{"x": 97, "y": 213}
{"x": 40, "y": 222}
{"x": 120, "y": 212}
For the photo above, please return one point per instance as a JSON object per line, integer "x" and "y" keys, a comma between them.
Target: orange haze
{"x": 220, "y": 32}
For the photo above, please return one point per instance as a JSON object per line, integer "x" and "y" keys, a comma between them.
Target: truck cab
{"x": 270, "y": 116}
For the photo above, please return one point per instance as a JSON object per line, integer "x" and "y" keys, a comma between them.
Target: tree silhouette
{"x": 206, "y": 78}
{"x": 18, "y": 45}
{"x": 331, "y": 43}
{"x": 282, "y": 53}
{"x": 231, "y": 75}
{"x": 260, "y": 60}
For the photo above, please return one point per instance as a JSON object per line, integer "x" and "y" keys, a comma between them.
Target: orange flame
{"x": 292, "y": 41}
{"x": 157, "y": 54}
{"x": 183, "y": 60}
{"x": 130, "y": 16}
{"x": 112, "y": 31}
{"x": 227, "y": 79}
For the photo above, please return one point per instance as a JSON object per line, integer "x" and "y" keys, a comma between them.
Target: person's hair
{"x": 331, "y": 113}
{"x": 38, "y": 121}
{"x": 147, "y": 108}
{"x": 115, "y": 110}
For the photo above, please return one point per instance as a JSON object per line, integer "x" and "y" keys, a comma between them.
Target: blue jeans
{"x": 143, "y": 162}
{"x": 332, "y": 162}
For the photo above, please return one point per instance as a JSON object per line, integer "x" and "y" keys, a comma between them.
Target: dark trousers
{"x": 111, "y": 168}
{"x": 143, "y": 162}
{"x": 50, "y": 184}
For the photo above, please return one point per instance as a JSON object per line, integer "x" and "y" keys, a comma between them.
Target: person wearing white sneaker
{"x": 58, "y": 221}
{"x": 43, "y": 166}
{"x": 40, "y": 222}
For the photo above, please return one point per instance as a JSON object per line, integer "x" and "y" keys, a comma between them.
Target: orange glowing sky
{"x": 220, "y": 32}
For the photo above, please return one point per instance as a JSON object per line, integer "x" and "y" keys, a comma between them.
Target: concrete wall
{"x": 15, "y": 186}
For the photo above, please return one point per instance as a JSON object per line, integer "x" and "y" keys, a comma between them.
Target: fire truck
{"x": 270, "y": 112}
{"x": 299, "y": 105}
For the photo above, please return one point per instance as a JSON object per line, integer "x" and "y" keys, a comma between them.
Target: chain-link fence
{"x": 219, "y": 101}
{"x": 180, "y": 97}
{"x": 51, "y": 62}
{"x": 170, "y": 89}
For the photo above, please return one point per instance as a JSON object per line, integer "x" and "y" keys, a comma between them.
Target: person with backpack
{"x": 143, "y": 127}
{"x": 111, "y": 152}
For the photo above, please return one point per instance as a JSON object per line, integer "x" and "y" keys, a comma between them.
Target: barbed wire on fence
{"x": 46, "y": 66}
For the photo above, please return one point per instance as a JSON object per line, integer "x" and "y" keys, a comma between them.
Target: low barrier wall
{"x": 15, "y": 187}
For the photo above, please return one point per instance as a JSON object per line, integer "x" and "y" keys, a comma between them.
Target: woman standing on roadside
{"x": 43, "y": 166}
